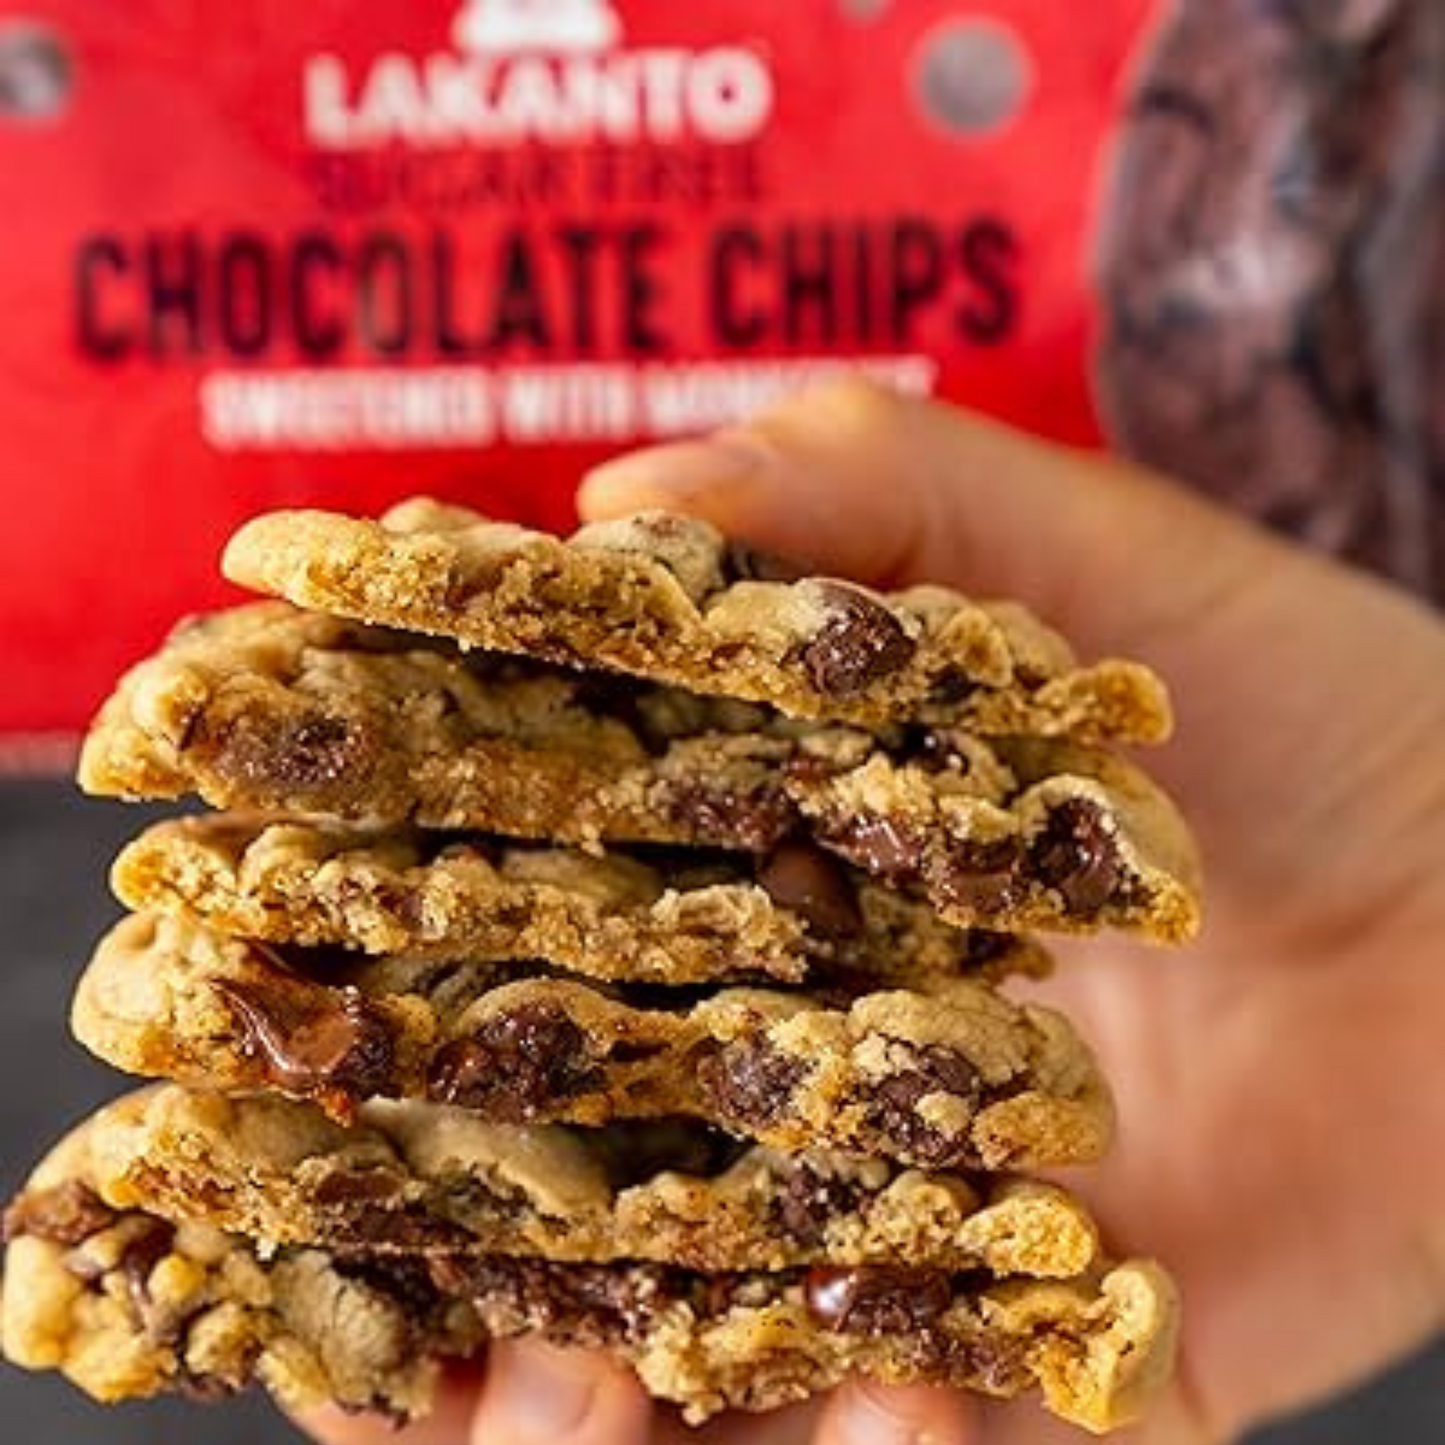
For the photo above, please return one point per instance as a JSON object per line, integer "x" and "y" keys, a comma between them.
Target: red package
{"x": 274, "y": 254}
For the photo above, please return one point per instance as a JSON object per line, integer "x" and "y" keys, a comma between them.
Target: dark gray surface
{"x": 54, "y": 851}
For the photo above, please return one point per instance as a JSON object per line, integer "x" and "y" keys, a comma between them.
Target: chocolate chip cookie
{"x": 649, "y": 916}
{"x": 414, "y": 1178}
{"x": 267, "y": 708}
{"x": 951, "y": 1076}
{"x": 129, "y": 1303}
{"x": 669, "y": 599}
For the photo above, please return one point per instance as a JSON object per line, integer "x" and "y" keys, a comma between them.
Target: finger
{"x": 447, "y": 1424}
{"x": 865, "y": 1413}
{"x": 890, "y": 489}
{"x": 536, "y": 1394}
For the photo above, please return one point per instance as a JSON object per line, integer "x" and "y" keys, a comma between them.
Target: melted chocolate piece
{"x": 997, "y": 1362}
{"x": 750, "y": 1083}
{"x": 952, "y": 685}
{"x": 68, "y": 1214}
{"x": 381, "y": 1231}
{"x": 515, "y": 1064}
{"x": 330, "y": 1045}
{"x": 888, "y": 849}
{"x": 805, "y": 879}
{"x": 1076, "y": 855}
{"x": 142, "y": 1254}
{"x": 809, "y": 1201}
{"x": 313, "y": 753}
{"x": 593, "y": 1304}
{"x": 404, "y": 1279}
{"x": 876, "y": 1299}
{"x": 358, "y": 1186}
{"x": 860, "y": 642}
{"x": 982, "y": 876}
{"x": 585, "y": 1304}
{"x": 894, "y": 1105}
{"x": 755, "y": 820}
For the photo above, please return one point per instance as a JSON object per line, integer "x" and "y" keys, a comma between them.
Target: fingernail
{"x": 676, "y": 468}
{"x": 537, "y": 1393}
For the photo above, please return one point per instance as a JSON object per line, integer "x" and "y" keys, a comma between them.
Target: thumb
{"x": 858, "y": 480}
{"x": 866, "y": 1413}
{"x": 536, "y": 1394}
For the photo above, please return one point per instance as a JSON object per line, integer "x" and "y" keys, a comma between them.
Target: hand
{"x": 1279, "y": 1083}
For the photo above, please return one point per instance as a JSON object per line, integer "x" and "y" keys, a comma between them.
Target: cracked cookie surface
{"x": 669, "y": 599}
{"x": 953, "y": 1075}
{"x": 129, "y": 1304}
{"x": 652, "y": 916}
{"x": 415, "y": 1178}
{"x": 267, "y": 708}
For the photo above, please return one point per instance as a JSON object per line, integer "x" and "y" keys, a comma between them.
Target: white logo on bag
{"x": 508, "y": 27}
{"x": 538, "y": 69}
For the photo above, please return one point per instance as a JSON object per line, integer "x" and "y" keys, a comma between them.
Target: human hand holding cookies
{"x": 1276, "y": 1122}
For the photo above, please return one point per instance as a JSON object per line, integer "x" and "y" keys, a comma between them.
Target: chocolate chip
{"x": 358, "y": 1186}
{"x": 893, "y": 1106}
{"x": 859, "y": 642}
{"x": 1076, "y": 855}
{"x": 808, "y": 1202}
{"x": 885, "y": 847}
{"x": 515, "y": 1064}
{"x": 981, "y": 876}
{"x": 750, "y": 1084}
{"x": 952, "y": 686}
{"x": 805, "y": 879}
{"x": 319, "y": 750}
{"x": 307, "y": 757}
{"x": 404, "y": 1281}
{"x": 996, "y": 1363}
{"x": 754, "y": 820}
{"x": 578, "y": 1303}
{"x": 744, "y": 563}
{"x": 326, "y": 1044}
{"x": 68, "y": 1214}
{"x": 876, "y": 1299}
{"x": 142, "y": 1253}
{"x": 382, "y": 1230}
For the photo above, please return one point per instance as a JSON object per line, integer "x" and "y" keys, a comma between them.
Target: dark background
{"x": 55, "y": 848}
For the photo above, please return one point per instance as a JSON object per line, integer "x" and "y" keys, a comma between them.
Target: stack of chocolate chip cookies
{"x": 601, "y": 939}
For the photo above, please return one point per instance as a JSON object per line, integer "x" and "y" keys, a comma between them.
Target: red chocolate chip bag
{"x": 271, "y": 254}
